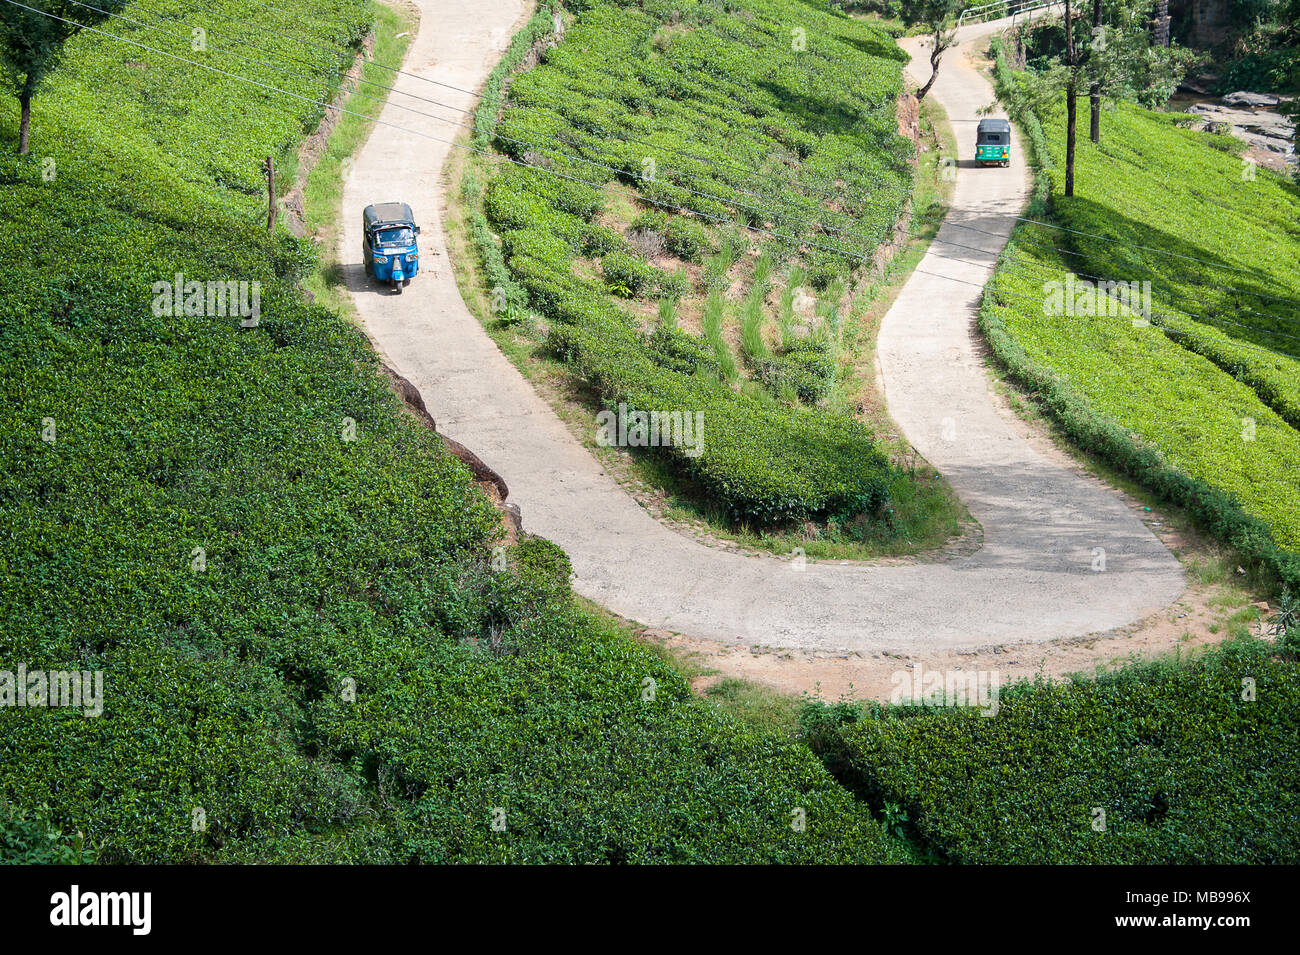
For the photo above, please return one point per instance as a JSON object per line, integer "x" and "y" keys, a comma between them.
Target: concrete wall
{"x": 1211, "y": 21}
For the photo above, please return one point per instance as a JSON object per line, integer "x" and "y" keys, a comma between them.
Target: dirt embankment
{"x": 491, "y": 483}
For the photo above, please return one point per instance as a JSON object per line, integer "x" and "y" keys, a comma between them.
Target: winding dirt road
{"x": 1063, "y": 555}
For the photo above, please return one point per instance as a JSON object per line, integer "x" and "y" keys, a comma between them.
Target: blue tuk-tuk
{"x": 993, "y": 142}
{"x": 388, "y": 245}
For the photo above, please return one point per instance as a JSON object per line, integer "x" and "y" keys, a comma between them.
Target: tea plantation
{"x": 1155, "y": 764}
{"x": 308, "y": 653}
{"x": 1204, "y": 404}
{"x": 314, "y": 644}
{"x": 694, "y": 184}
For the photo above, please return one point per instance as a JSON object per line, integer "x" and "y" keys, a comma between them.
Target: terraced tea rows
{"x": 711, "y": 137}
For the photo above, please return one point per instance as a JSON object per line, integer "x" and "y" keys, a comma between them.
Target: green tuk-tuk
{"x": 993, "y": 143}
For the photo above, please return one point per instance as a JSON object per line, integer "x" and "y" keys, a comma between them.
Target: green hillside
{"x": 492, "y": 720}
{"x": 1210, "y": 389}
{"x": 1156, "y": 764}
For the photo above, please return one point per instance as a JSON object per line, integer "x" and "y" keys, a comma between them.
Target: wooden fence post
{"x": 270, "y": 195}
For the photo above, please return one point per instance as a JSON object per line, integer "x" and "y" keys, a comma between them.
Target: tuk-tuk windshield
{"x": 402, "y": 235}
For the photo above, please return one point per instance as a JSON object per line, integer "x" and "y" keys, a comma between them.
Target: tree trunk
{"x": 935, "y": 55}
{"x": 271, "y": 208}
{"x": 25, "y": 123}
{"x": 1094, "y": 92}
{"x": 1071, "y": 128}
{"x": 1071, "y": 101}
{"x": 1094, "y": 120}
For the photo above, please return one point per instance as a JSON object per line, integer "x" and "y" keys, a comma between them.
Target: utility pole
{"x": 269, "y": 168}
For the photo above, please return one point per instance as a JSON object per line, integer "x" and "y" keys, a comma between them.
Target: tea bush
{"x": 28, "y": 838}
{"x": 1157, "y": 764}
{"x": 804, "y": 366}
{"x": 1202, "y": 405}
{"x": 308, "y": 650}
{"x": 685, "y": 238}
{"x": 751, "y": 111}
{"x": 630, "y": 274}
{"x": 765, "y": 463}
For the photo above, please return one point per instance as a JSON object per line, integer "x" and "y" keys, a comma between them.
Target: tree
{"x": 1124, "y": 61}
{"x": 1094, "y": 90}
{"x": 1120, "y": 61}
{"x": 1292, "y": 109}
{"x": 1274, "y": 57}
{"x": 936, "y": 16}
{"x": 32, "y": 42}
{"x": 1071, "y": 98}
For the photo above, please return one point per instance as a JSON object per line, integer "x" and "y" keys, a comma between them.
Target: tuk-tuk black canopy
{"x": 992, "y": 126}
{"x": 387, "y": 213}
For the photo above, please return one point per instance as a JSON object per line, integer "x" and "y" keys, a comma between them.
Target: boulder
{"x": 1253, "y": 100}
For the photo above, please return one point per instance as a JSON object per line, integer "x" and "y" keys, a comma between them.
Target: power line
{"x": 330, "y": 50}
{"x": 684, "y": 176}
{"x": 997, "y": 291}
{"x": 847, "y": 253}
{"x": 801, "y": 222}
{"x": 578, "y": 144}
{"x": 565, "y": 156}
{"x": 322, "y": 68}
{"x": 718, "y": 219}
{"x": 518, "y": 142}
{"x": 949, "y": 221}
{"x": 1173, "y": 292}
